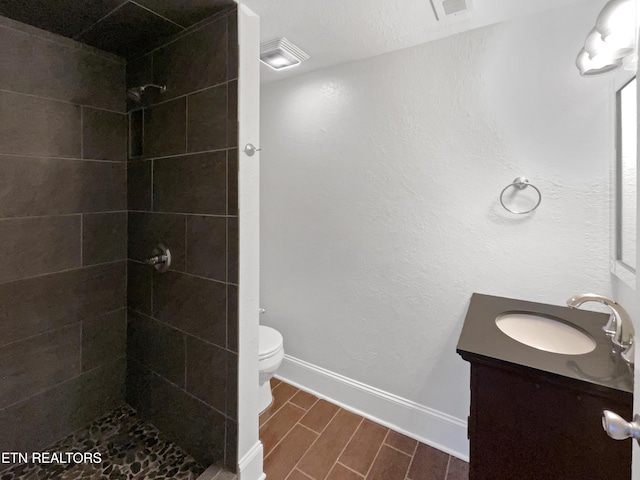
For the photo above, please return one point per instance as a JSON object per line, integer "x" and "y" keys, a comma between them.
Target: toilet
{"x": 271, "y": 354}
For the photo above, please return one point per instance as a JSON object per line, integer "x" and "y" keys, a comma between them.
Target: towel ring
{"x": 520, "y": 183}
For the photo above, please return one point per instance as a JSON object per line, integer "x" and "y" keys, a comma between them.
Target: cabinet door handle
{"x": 618, "y": 428}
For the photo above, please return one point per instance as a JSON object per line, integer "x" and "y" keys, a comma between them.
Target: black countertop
{"x": 481, "y": 339}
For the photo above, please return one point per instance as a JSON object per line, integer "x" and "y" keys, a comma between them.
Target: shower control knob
{"x": 160, "y": 258}
{"x": 618, "y": 428}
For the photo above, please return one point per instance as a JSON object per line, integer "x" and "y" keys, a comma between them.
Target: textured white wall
{"x": 379, "y": 198}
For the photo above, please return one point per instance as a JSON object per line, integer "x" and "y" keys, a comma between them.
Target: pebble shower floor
{"x": 130, "y": 449}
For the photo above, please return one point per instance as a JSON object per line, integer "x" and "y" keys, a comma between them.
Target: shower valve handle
{"x": 156, "y": 259}
{"x": 160, "y": 258}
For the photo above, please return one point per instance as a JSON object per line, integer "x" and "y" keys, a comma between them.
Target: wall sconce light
{"x": 612, "y": 43}
{"x": 281, "y": 53}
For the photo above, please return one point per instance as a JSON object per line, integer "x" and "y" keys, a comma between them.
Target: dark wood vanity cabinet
{"x": 531, "y": 425}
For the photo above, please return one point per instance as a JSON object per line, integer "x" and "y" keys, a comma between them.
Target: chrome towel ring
{"x": 520, "y": 183}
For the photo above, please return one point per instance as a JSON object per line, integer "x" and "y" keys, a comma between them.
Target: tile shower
{"x": 79, "y": 214}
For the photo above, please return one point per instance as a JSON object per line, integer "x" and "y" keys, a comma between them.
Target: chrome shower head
{"x": 135, "y": 93}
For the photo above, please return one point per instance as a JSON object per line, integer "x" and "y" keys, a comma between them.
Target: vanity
{"x": 537, "y": 415}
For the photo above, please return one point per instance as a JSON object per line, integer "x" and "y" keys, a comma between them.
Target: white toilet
{"x": 271, "y": 354}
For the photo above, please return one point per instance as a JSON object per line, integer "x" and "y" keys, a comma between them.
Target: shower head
{"x": 135, "y": 93}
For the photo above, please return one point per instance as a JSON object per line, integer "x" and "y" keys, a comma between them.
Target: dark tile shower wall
{"x": 182, "y": 191}
{"x": 63, "y": 226}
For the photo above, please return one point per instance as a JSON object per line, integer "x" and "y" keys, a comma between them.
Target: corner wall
{"x": 380, "y": 208}
{"x": 182, "y": 348}
{"x": 62, "y": 234}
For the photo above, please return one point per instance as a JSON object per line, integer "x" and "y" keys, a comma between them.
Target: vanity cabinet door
{"x": 531, "y": 426}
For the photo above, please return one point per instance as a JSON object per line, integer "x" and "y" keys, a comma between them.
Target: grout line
{"x": 295, "y": 467}
{"x": 415, "y": 450}
{"x": 61, "y": 271}
{"x": 81, "y": 240}
{"x": 301, "y": 473}
{"x": 82, "y": 132}
{"x": 184, "y": 273}
{"x": 47, "y": 332}
{"x": 186, "y": 249}
{"x": 186, "y": 124}
{"x": 129, "y": 136}
{"x": 79, "y": 35}
{"x": 305, "y": 409}
{"x": 62, "y": 41}
{"x": 184, "y": 338}
{"x": 163, "y": 213}
{"x": 146, "y": 315}
{"x": 276, "y": 411}
{"x": 226, "y": 140}
{"x": 64, "y": 382}
{"x": 315, "y": 441}
{"x": 307, "y": 428}
{"x": 82, "y": 362}
{"x": 57, "y": 215}
{"x": 226, "y": 183}
{"x": 446, "y": 474}
{"x": 226, "y": 323}
{"x": 398, "y": 450}
{"x": 51, "y": 99}
{"x": 226, "y": 250}
{"x": 377, "y": 454}
{"x": 345, "y": 446}
{"x": 286, "y": 433}
{"x": 48, "y": 157}
{"x": 153, "y": 372}
{"x": 348, "y": 468}
{"x": 213, "y": 18}
{"x": 160, "y": 16}
{"x": 144, "y": 126}
{"x": 142, "y": 158}
{"x": 226, "y": 316}
{"x": 188, "y": 31}
{"x": 330, "y": 420}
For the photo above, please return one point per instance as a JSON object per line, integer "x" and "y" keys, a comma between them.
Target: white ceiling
{"x": 339, "y": 31}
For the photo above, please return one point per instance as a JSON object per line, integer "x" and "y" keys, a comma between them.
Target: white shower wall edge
{"x": 436, "y": 429}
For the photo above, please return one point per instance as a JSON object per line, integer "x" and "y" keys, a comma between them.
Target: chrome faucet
{"x": 619, "y": 327}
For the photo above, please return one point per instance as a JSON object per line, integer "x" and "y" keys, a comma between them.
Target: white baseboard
{"x": 429, "y": 426}
{"x": 250, "y": 465}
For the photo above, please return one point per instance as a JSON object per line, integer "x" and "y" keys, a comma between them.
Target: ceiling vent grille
{"x": 451, "y": 8}
{"x": 281, "y": 53}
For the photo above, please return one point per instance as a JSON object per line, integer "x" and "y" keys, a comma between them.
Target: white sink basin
{"x": 545, "y": 333}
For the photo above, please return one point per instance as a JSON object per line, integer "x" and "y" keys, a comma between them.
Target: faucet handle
{"x": 629, "y": 353}
{"x": 610, "y": 327}
{"x": 618, "y": 428}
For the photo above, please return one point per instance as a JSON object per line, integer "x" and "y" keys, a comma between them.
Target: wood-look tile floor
{"x": 306, "y": 438}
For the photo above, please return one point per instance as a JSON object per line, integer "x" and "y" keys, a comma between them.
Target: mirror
{"x": 626, "y": 174}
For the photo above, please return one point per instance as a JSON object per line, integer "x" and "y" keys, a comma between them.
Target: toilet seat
{"x": 270, "y": 342}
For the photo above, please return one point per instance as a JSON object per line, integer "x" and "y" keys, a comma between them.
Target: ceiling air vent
{"x": 281, "y": 53}
{"x": 450, "y": 8}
